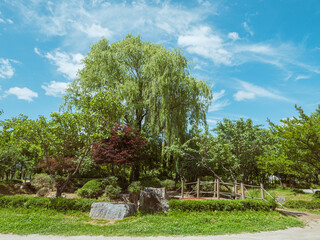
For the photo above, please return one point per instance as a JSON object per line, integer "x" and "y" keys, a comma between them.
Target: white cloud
{"x": 68, "y": 64}
{"x": 80, "y": 21}
{"x": 299, "y": 77}
{"x": 2, "y": 20}
{"x": 95, "y": 31}
{"x": 9, "y": 21}
{"x": 55, "y": 89}
{"x": 233, "y": 35}
{"x": 22, "y": 93}
{"x": 242, "y": 95}
{"x": 247, "y": 28}
{"x": 217, "y": 104}
{"x": 36, "y": 50}
{"x": 203, "y": 42}
{"x": 250, "y": 91}
{"x": 6, "y": 69}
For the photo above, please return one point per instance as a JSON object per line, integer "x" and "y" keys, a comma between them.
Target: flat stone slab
{"x": 112, "y": 211}
{"x": 310, "y": 190}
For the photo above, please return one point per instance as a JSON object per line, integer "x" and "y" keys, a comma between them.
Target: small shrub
{"x": 221, "y": 205}
{"x": 59, "y": 204}
{"x": 315, "y": 204}
{"x": 150, "y": 182}
{"x": 92, "y": 189}
{"x": 297, "y": 190}
{"x": 135, "y": 187}
{"x": 42, "y": 192}
{"x": 41, "y": 180}
{"x": 316, "y": 195}
{"x": 112, "y": 191}
{"x": 168, "y": 184}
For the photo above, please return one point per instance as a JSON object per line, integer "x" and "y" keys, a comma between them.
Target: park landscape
{"x": 134, "y": 118}
{"x": 145, "y": 126}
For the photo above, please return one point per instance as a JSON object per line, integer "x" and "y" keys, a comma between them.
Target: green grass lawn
{"x": 31, "y": 221}
{"x": 279, "y": 191}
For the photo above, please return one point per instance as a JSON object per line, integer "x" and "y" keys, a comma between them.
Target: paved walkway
{"x": 311, "y": 232}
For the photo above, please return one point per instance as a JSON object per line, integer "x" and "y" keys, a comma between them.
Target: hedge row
{"x": 59, "y": 204}
{"x": 221, "y": 205}
{"x": 302, "y": 204}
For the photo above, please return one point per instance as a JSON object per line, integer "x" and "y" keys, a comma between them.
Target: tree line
{"x": 135, "y": 111}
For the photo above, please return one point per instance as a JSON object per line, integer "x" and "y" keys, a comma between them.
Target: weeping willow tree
{"x": 156, "y": 86}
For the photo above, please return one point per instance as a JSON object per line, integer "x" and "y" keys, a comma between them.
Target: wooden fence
{"x": 231, "y": 190}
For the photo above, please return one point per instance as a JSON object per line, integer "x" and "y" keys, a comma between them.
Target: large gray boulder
{"x": 110, "y": 211}
{"x": 153, "y": 200}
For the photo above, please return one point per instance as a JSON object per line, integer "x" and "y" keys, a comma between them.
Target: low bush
{"x": 297, "y": 190}
{"x": 221, "y": 205}
{"x": 59, "y": 204}
{"x": 302, "y": 204}
{"x": 316, "y": 195}
{"x": 41, "y": 180}
{"x": 135, "y": 187}
{"x": 111, "y": 186}
{"x": 42, "y": 192}
{"x": 92, "y": 189}
{"x": 168, "y": 184}
{"x": 150, "y": 182}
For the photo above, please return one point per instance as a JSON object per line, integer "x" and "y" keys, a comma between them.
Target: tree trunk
{"x": 61, "y": 188}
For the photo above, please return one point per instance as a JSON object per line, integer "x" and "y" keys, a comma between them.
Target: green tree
{"x": 299, "y": 139}
{"x": 160, "y": 95}
{"x": 231, "y": 152}
{"x": 16, "y": 151}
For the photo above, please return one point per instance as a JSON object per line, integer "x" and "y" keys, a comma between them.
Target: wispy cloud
{"x": 74, "y": 20}
{"x": 203, "y": 42}
{"x": 22, "y": 93}
{"x": 217, "y": 103}
{"x": 6, "y": 69}
{"x": 250, "y": 91}
{"x": 247, "y": 28}
{"x": 55, "y": 89}
{"x": 233, "y": 35}
{"x": 299, "y": 77}
{"x": 68, "y": 63}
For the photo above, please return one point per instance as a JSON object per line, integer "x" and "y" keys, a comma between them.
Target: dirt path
{"x": 310, "y": 232}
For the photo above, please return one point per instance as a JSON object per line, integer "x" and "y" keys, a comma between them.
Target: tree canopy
{"x": 156, "y": 86}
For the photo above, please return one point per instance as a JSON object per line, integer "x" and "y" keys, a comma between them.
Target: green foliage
{"x": 135, "y": 187}
{"x": 111, "y": 187}
{"x": 41, "y": 180}
{"x": 221, "y": 205}
{"x": 150, "y": 182}
{"x": 297, "y": 190}
{"x": 92, "y": 189}
{"x": 59, "y": 204}
{"x": 316, "y": 195}
{"x": 42, "y": 192}
{"x": 160, "y": 94}
{"x": 168, "y": 184}
{"x": 299, "y": 145}
{"x": 302, "y": 204}
{"x": 112, "y": 191}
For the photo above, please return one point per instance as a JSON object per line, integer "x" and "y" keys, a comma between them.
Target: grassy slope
{"x": 27, "y": 221}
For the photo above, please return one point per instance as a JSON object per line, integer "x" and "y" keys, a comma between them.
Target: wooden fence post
{"x": 262, "y": 191}
{"x": 243, "y": 193}
{"x": 182, "y": 188}
{"x": 215, "y": 188}
{"x": 218, "y": 189}
{"x": 198, "y": 187}
{"x": 235, "y": 189}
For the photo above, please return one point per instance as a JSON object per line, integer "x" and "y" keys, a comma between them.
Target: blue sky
{"x": 261, "y": 57}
